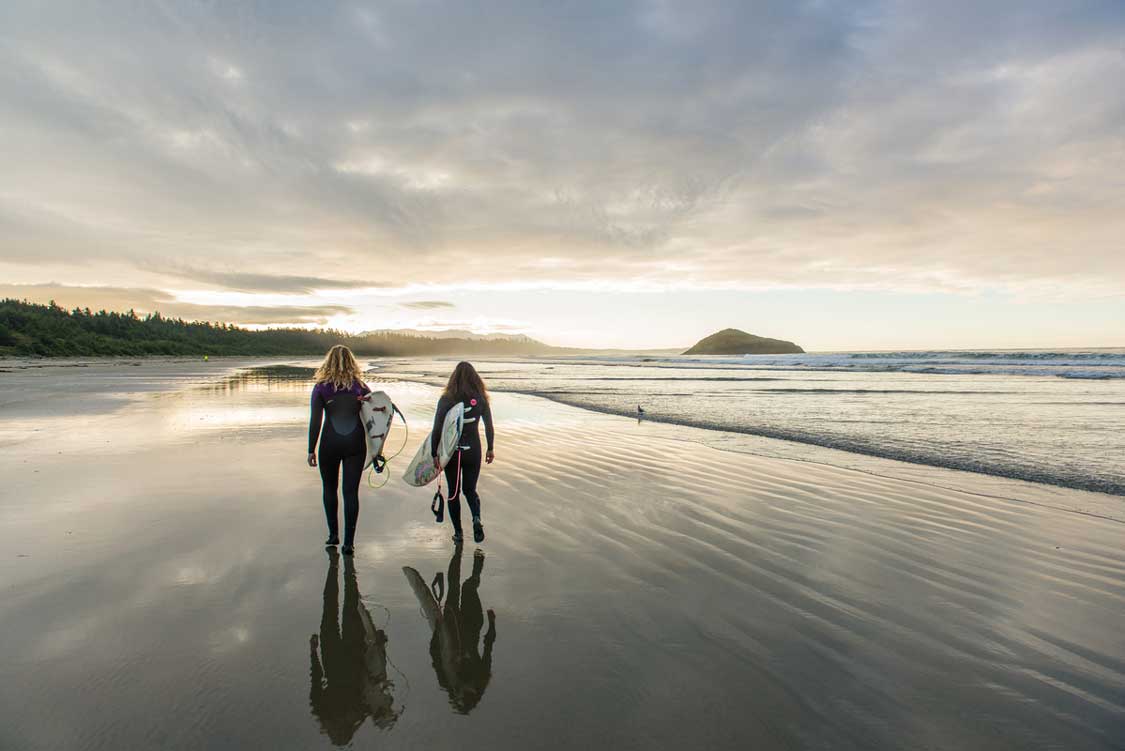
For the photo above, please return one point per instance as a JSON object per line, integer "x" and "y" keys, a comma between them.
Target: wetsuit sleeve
{"x": 486, "y": 415}
{"x": 443, "y": 406}
{"x": 316, "y": 416}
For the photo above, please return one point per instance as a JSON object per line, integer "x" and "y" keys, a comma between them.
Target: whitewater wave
{"x": 1023, "y": 415}
{"x": 1057, "y": 476}
{"x": 1089, "y": 365}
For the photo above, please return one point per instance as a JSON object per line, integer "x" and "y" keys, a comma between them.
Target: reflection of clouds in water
{"x": 269, "y": 395}
{"x": 409, "y": 539}
{"x": 294, "y": 585}
{"x": 191, "y": 575}
{"x": 70, "y": 630}
{"x": 208, "y": 407}
{"x": 195, "y": 417}
{"x": 264, "y": 379}
{"x": 230, "y": 638}
{"x": 245, "y": 404}
{"x": 170, "y": 417}
{"x": 287, "y": 378}
{"x": 58, "y": 642}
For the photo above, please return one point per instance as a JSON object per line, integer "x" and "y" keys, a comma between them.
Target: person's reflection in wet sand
{"x": 461, "y": 669}
{"x": 348, "y": 679}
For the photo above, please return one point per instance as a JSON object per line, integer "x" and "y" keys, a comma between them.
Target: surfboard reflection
{"x": 462, "y": 670}
{"x": 348, "y": 662}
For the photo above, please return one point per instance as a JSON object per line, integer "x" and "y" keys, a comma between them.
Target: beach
{"x": 163, "y": 580}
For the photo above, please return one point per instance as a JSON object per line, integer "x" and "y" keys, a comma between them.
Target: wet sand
{"x": 163, "y": 586}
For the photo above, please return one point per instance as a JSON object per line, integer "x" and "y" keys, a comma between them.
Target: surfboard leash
{"x": 437, "y": 505}
{"x": 379, "y": 463}
{"x": 406, "y": 435}
{"x": 387, "y": 657}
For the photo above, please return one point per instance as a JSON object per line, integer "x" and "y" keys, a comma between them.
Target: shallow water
{"x": 1045, "y": 417}
{"x": 163, "y": 584}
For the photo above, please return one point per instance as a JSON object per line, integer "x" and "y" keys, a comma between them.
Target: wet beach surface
{"x": 162, "y": 585}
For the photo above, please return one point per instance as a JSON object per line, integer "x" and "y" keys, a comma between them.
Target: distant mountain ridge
{"x": 452, "y": 334}
{"x": 737, "y": 342}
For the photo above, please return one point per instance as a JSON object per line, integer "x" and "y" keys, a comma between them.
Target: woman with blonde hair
{"x": 338, "y": 391}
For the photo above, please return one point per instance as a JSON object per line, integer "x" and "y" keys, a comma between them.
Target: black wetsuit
{"x": 342, "y": 441}
{"x": 467, "y": 460}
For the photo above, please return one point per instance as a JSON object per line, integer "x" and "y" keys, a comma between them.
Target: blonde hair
{"x": 339, "y": 368}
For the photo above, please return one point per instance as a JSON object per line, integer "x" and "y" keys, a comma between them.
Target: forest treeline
{"x": 53, "y": 331}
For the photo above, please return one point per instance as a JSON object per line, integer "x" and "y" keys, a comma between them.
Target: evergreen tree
{"x": 52, "y": 331}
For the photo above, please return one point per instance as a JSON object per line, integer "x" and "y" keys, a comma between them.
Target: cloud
{"x": 253, "y": 282}
{"x": 427, "y": 305}
{"x": 898, "y": 145}
{"x": 151, "y": 300}
{"x": 263, "y": 315}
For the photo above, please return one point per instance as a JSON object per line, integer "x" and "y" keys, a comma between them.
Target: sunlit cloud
{"x": 244, "y": 281}
{"x": 144, "y": 301}
{"x": 427, "y": 305}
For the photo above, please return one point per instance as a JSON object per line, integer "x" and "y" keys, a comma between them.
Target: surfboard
{"x": 431, "y": 608}
{"x": 446, "y": 631}
{"x": 376, "y": 415}
{"x": 421, "y": 470}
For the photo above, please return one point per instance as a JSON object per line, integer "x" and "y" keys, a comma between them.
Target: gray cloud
{"x": 151, "y": 300}
{"x": 897, "y": 144}
{"x": 253, "y": 282}
{"x": 427, "y": 305}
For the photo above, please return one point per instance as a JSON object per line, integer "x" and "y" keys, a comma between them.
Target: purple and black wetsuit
{"x": 341, "y": 441}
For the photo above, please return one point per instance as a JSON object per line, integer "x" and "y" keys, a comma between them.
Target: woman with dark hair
{"x": 338, "y": 391}
{"x": 463, "y": 469}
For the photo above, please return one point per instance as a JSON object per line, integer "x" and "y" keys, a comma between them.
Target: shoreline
{"x": 1097, "y": 493}
{"x": 1111, "y": 489}
{"x": 1106, "y": 500}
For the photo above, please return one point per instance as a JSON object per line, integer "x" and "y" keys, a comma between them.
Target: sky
{"x": 851, "y": 175}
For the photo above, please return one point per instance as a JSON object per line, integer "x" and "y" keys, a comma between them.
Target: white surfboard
{"x": 421, "y": 470}
{"x": 376, "y": 414}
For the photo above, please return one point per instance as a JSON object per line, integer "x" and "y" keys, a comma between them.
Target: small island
{"x": 735, "y": 342}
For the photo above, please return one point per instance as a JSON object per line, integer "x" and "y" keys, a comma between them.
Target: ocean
{"x": 1050, "y": 417}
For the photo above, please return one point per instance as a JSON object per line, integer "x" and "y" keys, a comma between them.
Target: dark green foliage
{"x": 51, "y": 331}
{"x": 735, "y": 342}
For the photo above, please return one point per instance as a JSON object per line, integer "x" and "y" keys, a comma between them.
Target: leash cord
{"x": 387, "y": 657}
{"x": 387, "y": 459}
